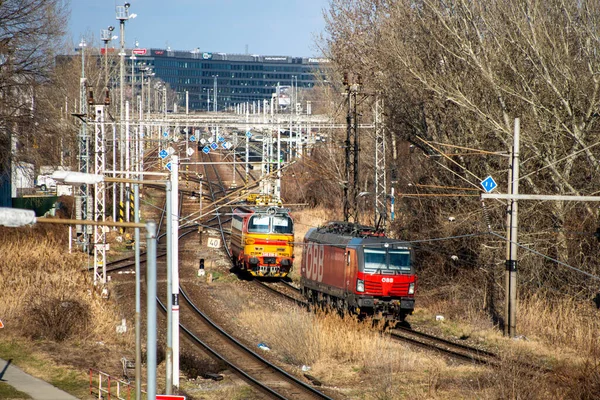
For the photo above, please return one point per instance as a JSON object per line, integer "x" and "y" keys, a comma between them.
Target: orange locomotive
{"x": 262, "y": 239}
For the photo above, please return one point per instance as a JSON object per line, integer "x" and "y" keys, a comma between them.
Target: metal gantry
{"x": 82, "y": 204}
{"x": 99, "y": 195}
{"x": 352, "y": 149}
{"x": 381, "y": 214}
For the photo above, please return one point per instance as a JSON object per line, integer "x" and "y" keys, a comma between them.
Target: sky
{"x": 266, "y": 27}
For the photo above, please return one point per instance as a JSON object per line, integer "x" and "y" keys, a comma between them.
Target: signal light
{"x": 201, "y": 271}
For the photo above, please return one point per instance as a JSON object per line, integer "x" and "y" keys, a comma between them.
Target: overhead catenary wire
{"x": 560, "y": 160}
{"x": 442, "y": 187}
{"x": 547, "y": 257}
{"x": 452, "y": 161}
{"x": 475, "y": 151}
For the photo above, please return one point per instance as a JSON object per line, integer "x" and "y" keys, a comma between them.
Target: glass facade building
{"x": 235, "y": 78}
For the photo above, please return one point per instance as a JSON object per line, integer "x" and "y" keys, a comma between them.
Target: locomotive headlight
{"x": 411, "y": 288}
{"x": 360, "y": 285}
{"x": 249, "y": 241}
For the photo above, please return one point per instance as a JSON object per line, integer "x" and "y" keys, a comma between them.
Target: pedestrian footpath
{"x": 34, "y": 387}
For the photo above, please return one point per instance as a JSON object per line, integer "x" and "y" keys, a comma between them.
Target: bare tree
{"x": 30, "y": 30}
{"x": 455, "y": 74}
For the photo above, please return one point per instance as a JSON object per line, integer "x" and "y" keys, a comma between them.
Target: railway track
{"x": 433, "y": 343}
{"x": 272, "y": 287}
{"x": 203, "y": 332}
{"x": 254, "y": 369}
{"x": 267, "y": 378}
{"x": 443, "y": 346}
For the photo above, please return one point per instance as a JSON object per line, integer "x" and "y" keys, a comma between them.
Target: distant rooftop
{"x": 204, "y": 55}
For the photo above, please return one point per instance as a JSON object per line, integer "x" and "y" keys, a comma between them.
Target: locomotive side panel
{"x": 236, "y": 244}
{"x": 322, "y": 268}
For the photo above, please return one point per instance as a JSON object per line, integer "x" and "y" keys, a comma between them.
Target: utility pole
{"x": 215, "y": 92}
{"x": 352, "y": 150}
{"x": 122, "y": 16}
{"x": 106, "y": 36}
{"x": 511, "y": 261}
{"x": 511, "y": 250}
{"x": 175, "y": 265}
{"x": 247, "y": 166}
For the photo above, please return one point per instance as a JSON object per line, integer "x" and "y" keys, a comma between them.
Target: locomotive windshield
{"x": 381, "y": 260}
{"x": 270, "y": 224}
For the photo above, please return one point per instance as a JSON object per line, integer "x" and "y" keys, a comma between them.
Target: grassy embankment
{"x": 56, "y": 325}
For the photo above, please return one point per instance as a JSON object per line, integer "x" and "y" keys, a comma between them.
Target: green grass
{"x": 22, "y": 355}
{"x": 7, "y": 392}
{"x": 17, "y": 351}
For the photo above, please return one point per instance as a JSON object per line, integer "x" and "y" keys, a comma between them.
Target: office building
{"x": 234, "y": 78}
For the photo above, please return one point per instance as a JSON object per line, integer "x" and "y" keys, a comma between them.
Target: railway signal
{"x": 488, "y": 184}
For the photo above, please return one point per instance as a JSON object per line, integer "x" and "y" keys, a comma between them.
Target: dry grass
{"x": 347, "y": 353}
{"x": 38, "y": 275}
{"x": 564, "y": 323}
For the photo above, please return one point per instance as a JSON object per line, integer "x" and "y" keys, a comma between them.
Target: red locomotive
{"x": 356, "y": 268}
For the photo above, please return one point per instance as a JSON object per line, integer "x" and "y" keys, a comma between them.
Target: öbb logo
{"x": 315, "y": 255}
{"x": 387, "y": 280}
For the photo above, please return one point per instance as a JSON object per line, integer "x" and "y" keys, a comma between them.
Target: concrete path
{"x": 34, "y": 387}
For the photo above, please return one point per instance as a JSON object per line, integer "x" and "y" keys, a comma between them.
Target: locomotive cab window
{"x": 258, "y": 224}
{"x": 270, "y": 224}
{"x": 375, "y": 260}
{"x": 400, "y": 260}
{"x": 390, "y": 260}
{"x": 282, "y": 224}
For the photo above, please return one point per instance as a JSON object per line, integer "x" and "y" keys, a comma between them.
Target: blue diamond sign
{"x": 206, "y": 149}
{"x": 489, "y": 184}
{"x": 168, "y": 166}
{"x": 248, "y": 134}
{"x": 214, "y": 146}
{"x": 221, "y": 139}
{"x": 165, "y": 134}
{"x": 163, "y": 153}
{"x": 192, "y": 138}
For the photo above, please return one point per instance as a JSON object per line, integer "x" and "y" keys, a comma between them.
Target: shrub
{"x": 56, "y": 317}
